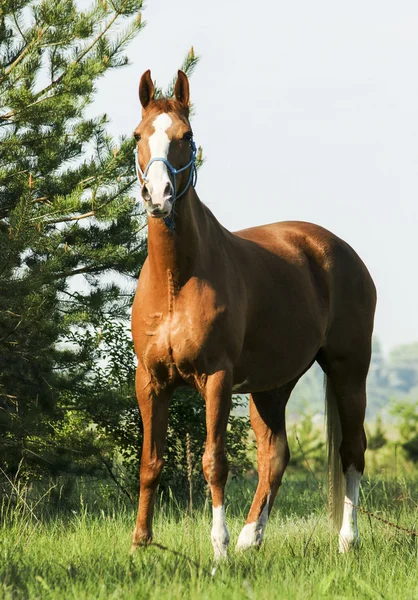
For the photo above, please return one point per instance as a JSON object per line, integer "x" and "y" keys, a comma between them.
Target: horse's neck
{"x": 175, "y": 255}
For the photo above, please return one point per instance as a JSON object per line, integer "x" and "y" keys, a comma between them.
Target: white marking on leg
{"x": 349, "y": 535}
{"x": 252, "y": 533}
{"x": 219, "y": 534}
{"x": 159, "y": 144}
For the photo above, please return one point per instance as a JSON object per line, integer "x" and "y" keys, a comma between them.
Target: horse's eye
{"x": 137, "y": 136}
{"x": 188, "y": 136}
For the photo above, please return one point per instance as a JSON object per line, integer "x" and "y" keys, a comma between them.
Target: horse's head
{"x": 165, "y": 148}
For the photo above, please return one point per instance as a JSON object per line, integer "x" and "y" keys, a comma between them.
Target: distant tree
{"x": 406, "y": 414}
{"x": 402, "y": 368}
{"x": 306, "y": 443}
{"x": 376, "y": 438}
{"x": 308, "y": 393}
{"x": 377, "y": 371}
{"x": 378, "y": 390}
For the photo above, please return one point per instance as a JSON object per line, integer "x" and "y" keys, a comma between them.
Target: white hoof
{"x": 219, "y": 534}
{"x": 347, "y": 541}
{"x": 220, "y": 545}
{"x": 250, "y": 537}
{"x": 252, "y": 534}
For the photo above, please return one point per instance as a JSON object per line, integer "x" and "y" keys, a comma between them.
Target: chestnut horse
{"x": 245, "y": 312}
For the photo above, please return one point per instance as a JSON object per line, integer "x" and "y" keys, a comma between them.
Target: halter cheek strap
{"x": 142, "y": 178}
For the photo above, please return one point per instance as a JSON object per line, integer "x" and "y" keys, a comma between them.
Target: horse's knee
{"x": 215, "y": 467}
{"x": 151, "y": 472}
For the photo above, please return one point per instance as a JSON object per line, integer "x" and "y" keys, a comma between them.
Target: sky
{"x": 305, "y": 111}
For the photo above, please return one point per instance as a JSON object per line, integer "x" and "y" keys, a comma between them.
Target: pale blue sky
{"x": 305, "y": 110}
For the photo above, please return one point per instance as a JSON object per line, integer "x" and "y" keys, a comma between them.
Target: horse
{"x": 246, "y": 312}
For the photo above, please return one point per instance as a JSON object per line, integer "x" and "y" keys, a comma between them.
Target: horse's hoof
{"x": 347, "y": 542}
{"x": 246, "y": 547}
{"x": 135, "y": 547}
{"x": 220, "y": 541}
{"x": 220, "y": 555}
{"x": 251, "y": 536}
{"x": 142, "y": 542}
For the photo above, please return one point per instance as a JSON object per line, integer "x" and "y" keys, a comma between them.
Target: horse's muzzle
{"x": 158, "y": 202}
{"x": 157, "y": 213}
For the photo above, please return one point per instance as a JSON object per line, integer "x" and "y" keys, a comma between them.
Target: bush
{"x": 406, "y": 412}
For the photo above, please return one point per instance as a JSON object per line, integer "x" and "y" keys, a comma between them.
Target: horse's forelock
{"x": 167, "y": 105}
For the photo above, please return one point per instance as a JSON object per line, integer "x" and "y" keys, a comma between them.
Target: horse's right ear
{"x": 146, "y": 89}
{"x": 181, "y": 89}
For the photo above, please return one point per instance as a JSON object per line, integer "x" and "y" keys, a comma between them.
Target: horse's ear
{"x": 181, "y": 89}
{"x": 146, "y": 89}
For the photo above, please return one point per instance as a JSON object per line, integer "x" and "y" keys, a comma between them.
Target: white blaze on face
{"x": 349, "y": 532}
{"x": 252, "y": 533}
{"x": 159, "y": 144}
{"x": 219, "y": 534}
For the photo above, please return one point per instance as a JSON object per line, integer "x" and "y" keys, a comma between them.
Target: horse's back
{"x": 300, "y": 242}
{"x": 288, "y": 239}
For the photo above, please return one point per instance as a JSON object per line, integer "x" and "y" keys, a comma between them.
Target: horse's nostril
{"x": 168, "y": 190}
{"x": 145, "y": 193}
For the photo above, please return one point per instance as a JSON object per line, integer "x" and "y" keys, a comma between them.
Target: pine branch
{"x": 25, "y": 51}
{"x": 43, "y": 94}
{"x": 91, "y": 213}
{"x": 189, "y": 64}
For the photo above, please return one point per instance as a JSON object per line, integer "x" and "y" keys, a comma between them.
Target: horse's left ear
{"x": 181, "y": 89}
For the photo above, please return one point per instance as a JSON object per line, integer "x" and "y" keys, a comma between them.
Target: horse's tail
{"x": 336, "y": 478}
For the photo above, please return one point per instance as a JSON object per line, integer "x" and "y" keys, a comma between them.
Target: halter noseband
{"x": 142, "y": 178}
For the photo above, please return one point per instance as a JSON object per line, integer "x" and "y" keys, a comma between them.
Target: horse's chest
{"x": 189, "y": 333}
{"x": 178, "y": 344}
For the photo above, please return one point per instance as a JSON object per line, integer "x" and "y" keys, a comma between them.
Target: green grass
{"x": 84, "y": 554}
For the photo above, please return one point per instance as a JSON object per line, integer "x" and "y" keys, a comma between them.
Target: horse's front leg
{"x": 153, "y": 404}
{"x": 217, "y": 394}
{"x": 267, "y": 412}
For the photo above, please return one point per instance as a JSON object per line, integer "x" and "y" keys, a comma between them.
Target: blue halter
{"x": 142, "y": 175}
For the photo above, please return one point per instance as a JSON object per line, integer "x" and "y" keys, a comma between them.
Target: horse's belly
{"x": 259, "y": 378}
{"x": 272, "y": 360}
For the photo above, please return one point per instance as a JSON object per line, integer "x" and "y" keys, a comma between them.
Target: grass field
{"x": 84, "y": 554}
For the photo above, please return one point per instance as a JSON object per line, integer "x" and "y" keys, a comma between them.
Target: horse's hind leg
{"x": 267, "y": 413}
{"x": 351, "y": 402}
{"x": 346, "y": 388}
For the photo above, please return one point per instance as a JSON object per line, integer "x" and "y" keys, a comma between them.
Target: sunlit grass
{"x": 84, "y": 554}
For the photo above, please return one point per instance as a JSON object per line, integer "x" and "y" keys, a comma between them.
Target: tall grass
{"x": 47, "y": 551}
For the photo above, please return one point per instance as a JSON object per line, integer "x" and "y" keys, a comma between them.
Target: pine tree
{"x": 70, "y": 232}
